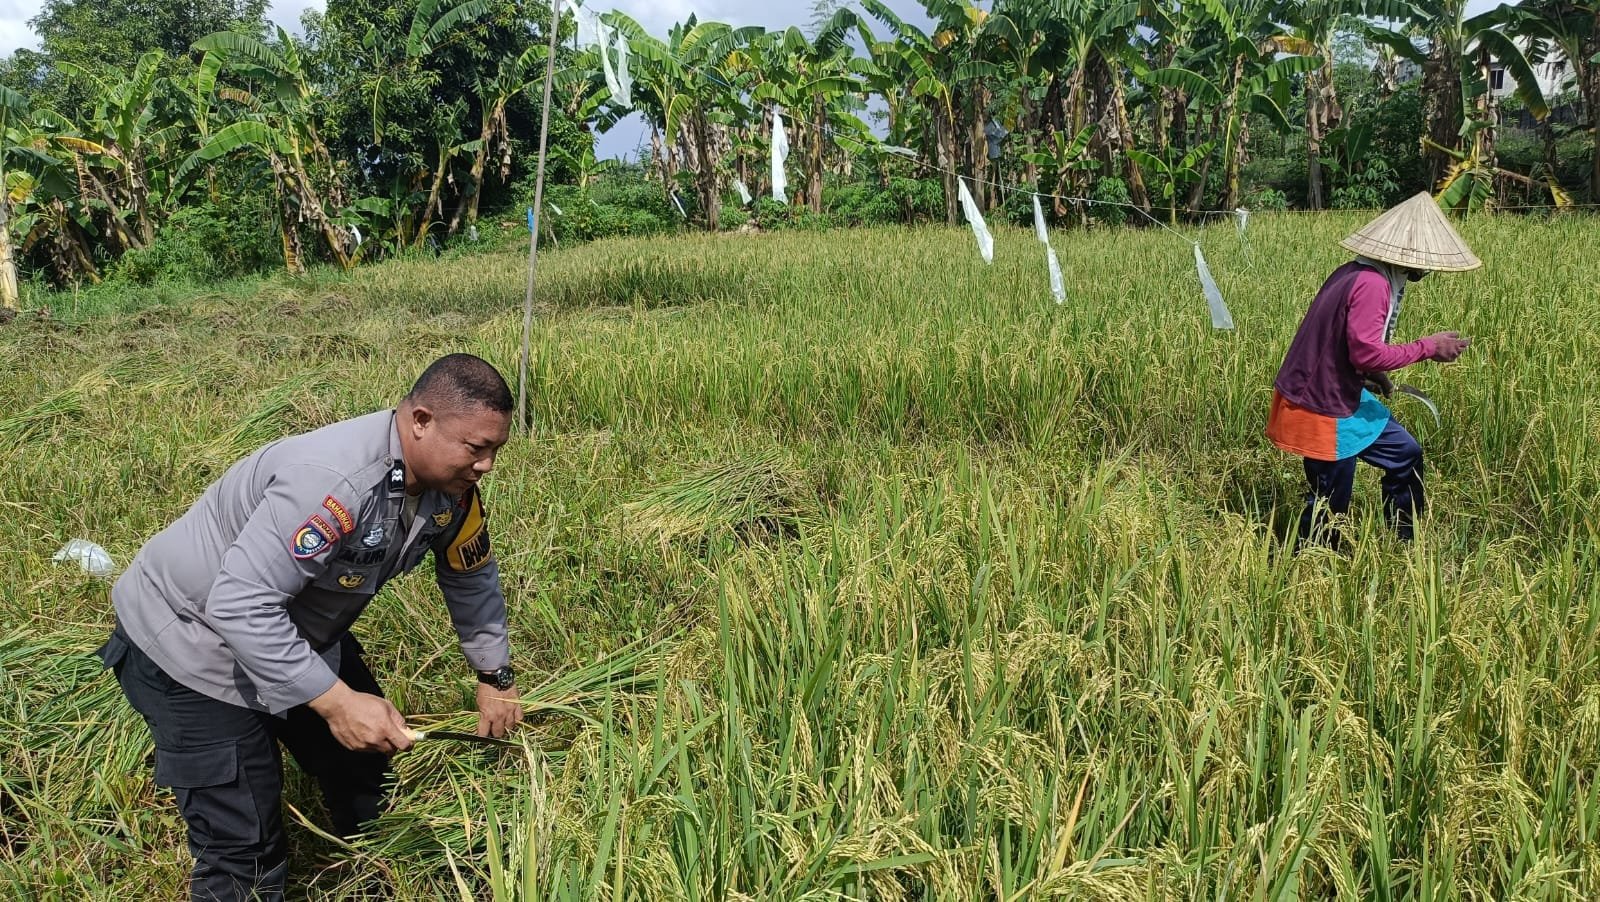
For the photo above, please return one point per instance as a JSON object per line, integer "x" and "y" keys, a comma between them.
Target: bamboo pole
{"x": 538, "y": 212}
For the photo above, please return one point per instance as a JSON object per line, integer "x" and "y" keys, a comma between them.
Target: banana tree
{"x": 1459, "y": 107}
{"x": 923, "y": 75}
{"x": 1175, "y": 174}
{"x": 513, "y": 76}
{"x": 1469, "y": 185}
{"x": 1573, "y": 27}
{"x": 813, "y": 81}
{"x": 118, "y": 142}
{"x": 1250, "y": 77}
{"x": 1096, "y": 41}
{"x": 1059, "y": 162}
{"x": 277, "y": 122}
{"x": 41, "y": 193}
{"x": 13, "y": 106}
{"x": 689, "y": 98}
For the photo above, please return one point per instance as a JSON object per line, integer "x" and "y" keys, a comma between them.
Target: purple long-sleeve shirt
{"x": 1345, "y": 335}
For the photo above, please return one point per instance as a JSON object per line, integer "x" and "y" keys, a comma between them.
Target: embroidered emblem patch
{"x": 352, "y": 580}
{"x": 470, "y": 550}
{"x": 373, "y": 536}
{"x": 347, "y": 523}
{"x": 312, "y": 538}
{"x": 443, "y": 518}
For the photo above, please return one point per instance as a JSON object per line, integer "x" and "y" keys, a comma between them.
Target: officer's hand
{"x": 1447, "y": 346}
{"x": 498, "y": 710}
{"x": 362, "y": 722}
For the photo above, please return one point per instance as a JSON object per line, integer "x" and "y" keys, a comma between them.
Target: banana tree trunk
{"x": 1488, "y": 112}
{"x": 944, "y": 141}
{"x": 9, "y": 294}
{"x": 467, "y": 206}
{"x": 1323, "y": 115}
{"x": 1588, "y": 73}
{"x": 819, "y": 123}
{"x": 978, "y": 147}
{"x": 1119, "y": 103}
{"x": 439, "y": 173}
{"x": 1197, "y": 191}
{"x": 1441, "y": 108}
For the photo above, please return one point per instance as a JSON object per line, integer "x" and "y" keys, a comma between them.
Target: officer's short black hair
{"x": 459, "y": 382}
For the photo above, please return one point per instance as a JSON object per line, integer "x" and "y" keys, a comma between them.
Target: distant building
{"x": 1554, "y": 75}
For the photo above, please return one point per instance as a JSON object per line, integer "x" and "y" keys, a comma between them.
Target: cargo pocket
{"x": 198, "y": 767}
{"x": 217, "y": 803}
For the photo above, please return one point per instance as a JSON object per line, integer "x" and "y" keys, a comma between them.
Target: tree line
{"x": 391, "y": 125}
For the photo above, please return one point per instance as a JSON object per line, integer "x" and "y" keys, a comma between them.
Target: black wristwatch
{"x": 501, "y": 679}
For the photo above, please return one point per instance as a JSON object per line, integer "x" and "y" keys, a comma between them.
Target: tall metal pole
{"x": 538, "y": 213}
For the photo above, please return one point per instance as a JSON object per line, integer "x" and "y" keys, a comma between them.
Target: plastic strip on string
{"x": 1058, "y": 285}
{"x": 780, "y": 153}
{"x": 744, "y": 193}
{"x": 679, "y": 205}
{"x": 1220, "y": 317}
{"x": 612, "y": 83}
{"x": 980, "y": 230}
{"x": 624, "y": 79}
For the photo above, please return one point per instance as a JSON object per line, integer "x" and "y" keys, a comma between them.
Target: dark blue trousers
{"x": 225, "y": 768}
{"x": 1397, "y": 454}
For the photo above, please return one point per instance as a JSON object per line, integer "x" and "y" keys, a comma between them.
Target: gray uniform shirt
{"x": 245, "y": 597}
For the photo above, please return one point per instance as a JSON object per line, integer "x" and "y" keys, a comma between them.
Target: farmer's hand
{"x": 1380, "y": 383}
{"x": 498, "y": 710}
{"x": 1447, "y": 346}
{"x": 362, "y": 722}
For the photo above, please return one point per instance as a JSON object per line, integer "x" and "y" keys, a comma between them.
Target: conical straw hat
{"x": 1416, "y": 235}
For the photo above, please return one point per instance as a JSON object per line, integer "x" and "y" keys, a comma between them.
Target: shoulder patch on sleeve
{"x": 341, "y": 516}
{"x": 312, "y": 538}
{"x": 470, "y": 550}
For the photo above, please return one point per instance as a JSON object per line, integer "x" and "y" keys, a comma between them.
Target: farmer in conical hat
{"x": 1324, "y": 406}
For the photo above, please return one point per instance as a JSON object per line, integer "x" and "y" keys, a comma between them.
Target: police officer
{"x": 233, "y": 624}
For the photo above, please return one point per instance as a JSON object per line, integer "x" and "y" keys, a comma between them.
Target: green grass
{"x": 845, "y": 565}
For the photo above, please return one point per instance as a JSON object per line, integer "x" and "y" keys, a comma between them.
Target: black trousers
{"x": 225, "y": 768}
{"x": 1331, "y": 483}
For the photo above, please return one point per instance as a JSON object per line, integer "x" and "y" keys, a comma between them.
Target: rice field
{"x": 842, "y": 565}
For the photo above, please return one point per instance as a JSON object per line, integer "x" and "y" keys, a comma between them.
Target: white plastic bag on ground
{"x": 94, "y": 560}
{"x": 980, "y": 230}
{"x": 780, "y": 153}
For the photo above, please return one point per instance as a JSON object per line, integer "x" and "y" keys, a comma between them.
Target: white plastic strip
{"x": 980, "y": 231}
{"x": 1220, "y": 317}
{"x": 1058, "y": 285}
{"x": 1241, "y": 218}
{"x": 612, "y": 84}
{"x": 780, "y": 153}
{"x": 744, "y": 193}
{"x": 1038, "y": 222}
{"x": 624, "y": 80}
